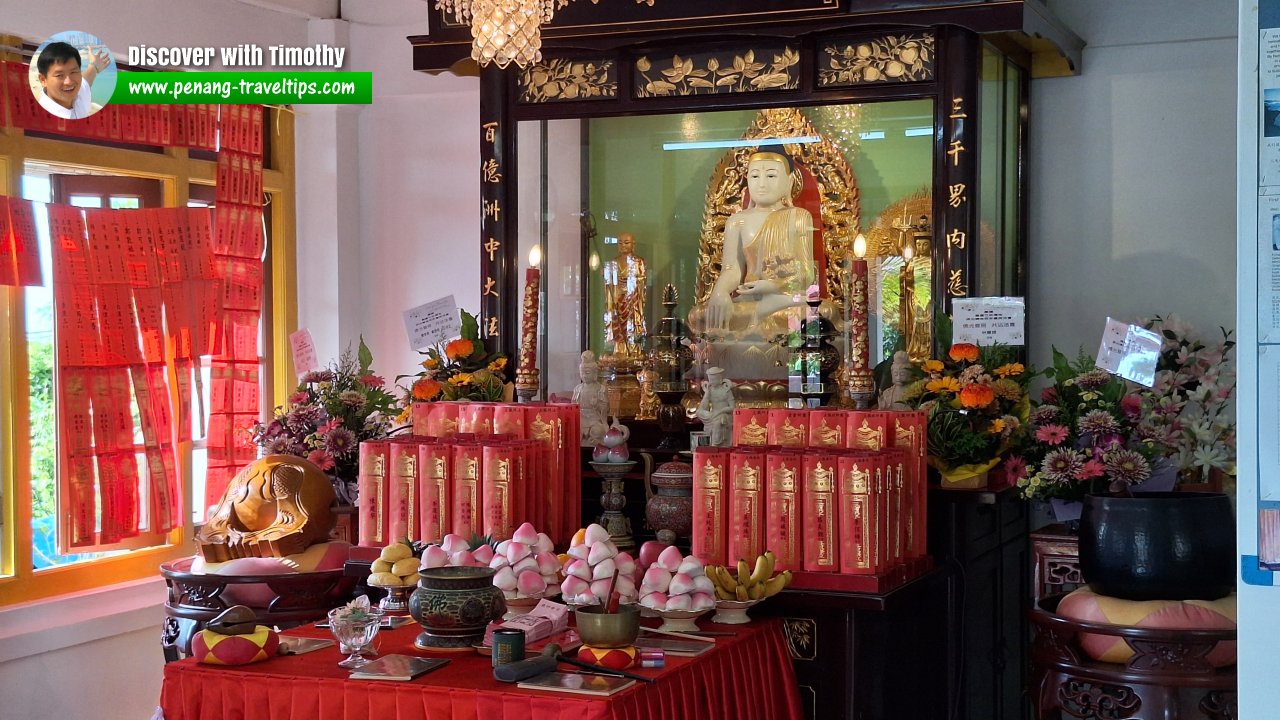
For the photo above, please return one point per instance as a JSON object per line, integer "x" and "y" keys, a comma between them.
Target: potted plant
{"x": 461, "y": 369}
{"x": 977, "y": 404}
{"x": 328, "y": 416}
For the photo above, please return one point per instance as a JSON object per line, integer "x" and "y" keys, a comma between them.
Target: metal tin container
{"x": 508, "y": 646}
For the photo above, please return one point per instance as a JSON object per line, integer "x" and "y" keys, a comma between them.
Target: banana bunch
{"x": 750, "y": 583}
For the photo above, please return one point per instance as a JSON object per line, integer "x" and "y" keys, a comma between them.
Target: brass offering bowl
{"x": 598, "y": 628}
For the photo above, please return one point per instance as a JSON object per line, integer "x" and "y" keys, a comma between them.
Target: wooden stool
{"x": 1168, "y": 676}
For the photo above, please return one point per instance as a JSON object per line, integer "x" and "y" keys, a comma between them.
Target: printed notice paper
{"x": 1130, "y": 352}
{"x": 304, "y": 352}
{"x": 989, "y": 321}
{"x": 433, "y": 323}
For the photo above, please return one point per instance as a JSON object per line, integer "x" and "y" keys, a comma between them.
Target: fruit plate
{"x": 732, "y": 612}
{"x": 397, "y": 600}
{"x": 680, "y": 620}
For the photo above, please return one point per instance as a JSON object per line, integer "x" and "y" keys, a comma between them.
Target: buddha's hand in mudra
{"x": 757, "y": 289}
{"x": 719, "y": 310}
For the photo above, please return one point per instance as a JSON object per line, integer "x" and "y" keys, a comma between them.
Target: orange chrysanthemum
{"x": 426, "y": 389}
{"x": 946, "y": 384}
{"x": 976, "y": 396}
{"x": 1010, "y": 370}
{"x": 459, "y": 349}
{"x": 966, "y": 352}
{"x": 932, "y": 366}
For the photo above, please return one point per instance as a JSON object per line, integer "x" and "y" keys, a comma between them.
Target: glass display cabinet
{"x": 623, "y": 156}
{"x": 793, "y": 191}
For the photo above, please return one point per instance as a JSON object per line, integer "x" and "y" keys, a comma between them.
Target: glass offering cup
{"x": 355, "y": 634}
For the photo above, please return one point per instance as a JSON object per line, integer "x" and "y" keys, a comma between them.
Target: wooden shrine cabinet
{"x": 901, "y": 120}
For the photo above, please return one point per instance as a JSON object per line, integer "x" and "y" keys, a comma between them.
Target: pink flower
{"x": 298, "y": 398}
{"x": 1131, "y": 405}
{"x": 1052, "y": 434}
{"x": 1015, "y": 468}
{"x": 1049, "y": 395}
{"x": 1090, "y": 470}
{"x": 321, "y": 459}
{"x": 372, "y": 381}
{"x": 329, "y": 426}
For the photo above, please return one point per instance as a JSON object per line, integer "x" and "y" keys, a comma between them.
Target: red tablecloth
{"x": 747, "y": 676}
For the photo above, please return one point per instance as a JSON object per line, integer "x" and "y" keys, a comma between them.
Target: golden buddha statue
{"x": 624, "y": 299}
{"x": 767, "y": 265}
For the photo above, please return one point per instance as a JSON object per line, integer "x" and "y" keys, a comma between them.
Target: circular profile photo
{"x": 72, "y": 75}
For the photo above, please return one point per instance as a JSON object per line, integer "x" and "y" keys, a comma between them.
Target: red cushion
{"x": 214, "y": 649}
{"x": 615, "y": 658}
{"x": 321, "y": 556}
{"x": 1084, "y": 604}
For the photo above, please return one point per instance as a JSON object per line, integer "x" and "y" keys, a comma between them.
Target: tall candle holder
{"x": 859, "y": 383}
{"x": 613, "y": 499}
{"x": 670, "y": 360}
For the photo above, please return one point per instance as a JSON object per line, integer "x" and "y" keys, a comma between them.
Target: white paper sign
{"x": 988, "y": 321}
{"x": 1129, "y": 351}
{"x": 304, "y": 352}
{"x": 433, "y": 323}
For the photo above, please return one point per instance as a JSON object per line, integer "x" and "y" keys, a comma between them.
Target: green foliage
{"x": 44, "y": 447}
{"x": 365, "y": 356}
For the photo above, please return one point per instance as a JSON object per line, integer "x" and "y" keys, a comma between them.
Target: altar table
{"x": 747, "y": 676}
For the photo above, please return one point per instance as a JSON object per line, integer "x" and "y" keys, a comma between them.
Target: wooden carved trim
{"x": 721, "y": 72}
{"x": 884, "y": 59}
{"x": 568, "y": 80}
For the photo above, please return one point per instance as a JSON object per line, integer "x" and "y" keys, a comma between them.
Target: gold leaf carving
{"x": 706, "y": 74}
{"x": 836, "y": 185}
{"x": 560, "y": 79}
{"x": 892, "y": 58}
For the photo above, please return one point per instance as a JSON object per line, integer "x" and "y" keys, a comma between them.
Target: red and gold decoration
{"x": 858, "y": 380}
{"x": 19, "y": 250}
{"x": 527, "y": 370}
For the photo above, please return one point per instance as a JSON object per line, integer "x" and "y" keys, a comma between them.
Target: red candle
{"x": 860, "y": 352}
{"x": 529, "y": 321}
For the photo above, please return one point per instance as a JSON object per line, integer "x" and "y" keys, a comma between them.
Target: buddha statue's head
{"x": 900, "y": 370}
{"x": 769, "y": 179}
{"x": 626, "y": 243}
{"x": 588, "y": 368}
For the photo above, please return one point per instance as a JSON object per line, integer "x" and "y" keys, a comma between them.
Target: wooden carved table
{"x": 1168, "y": 676}
{"x": 1055, "y": 561}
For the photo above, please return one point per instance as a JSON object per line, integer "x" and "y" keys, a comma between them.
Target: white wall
{"x": 1132, "y": 172}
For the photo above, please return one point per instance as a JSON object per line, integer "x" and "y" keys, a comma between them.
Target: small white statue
{"x": 716, "y": 409}
{"x": 891, "y": 398}
{"x": 593, "y": 399}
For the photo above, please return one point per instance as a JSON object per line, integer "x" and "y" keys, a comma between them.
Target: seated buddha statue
{"x": 767, "y": 266}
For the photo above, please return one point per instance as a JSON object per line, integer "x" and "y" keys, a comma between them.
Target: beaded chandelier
{"x": 506, "y": 31}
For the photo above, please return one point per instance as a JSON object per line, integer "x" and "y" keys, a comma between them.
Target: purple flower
{"x": 1044, "y": 414}
{"x": 1093, "y": 379}
{"x": 351, "y": 399}
{"x": 1061, "y": 465}
{"x": 1097, "y": 422}
{"x": 1126, "y": 466}
{"x": 340, "y": 441}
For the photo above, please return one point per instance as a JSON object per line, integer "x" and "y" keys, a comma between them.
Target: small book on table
{"x": 397, "y": 667}
{"x": 577, "y": 683}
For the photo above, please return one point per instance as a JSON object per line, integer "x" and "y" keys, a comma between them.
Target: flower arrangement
{"x": 461, "y": 369}
{"x": 1083, "y": 436}
{"x": 328, "y": 416}
{"x": 1189, "y": 409}
{"x": 977, "y": 404}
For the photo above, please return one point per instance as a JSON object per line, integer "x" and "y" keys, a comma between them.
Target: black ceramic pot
{"x": 1159, "y": 546}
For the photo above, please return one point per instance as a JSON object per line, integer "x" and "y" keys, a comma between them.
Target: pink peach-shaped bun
{"x": 574, "y": 586}
{"x": 604, "y": 570}
{"x": 601, "y": 551}
{"x": 679, "y": 602}
{"x": 626, "y": 588}
{"x": 681, "y": 584}
{"x": 626, "y": 564}
{"x": 526, "y": 534}
{"x": 525, "y": 565}
{"x": 587, "y": 598}
{"x": 703, "y": 601}
{"x": 657, "y": 578}
{"x": 670, "y": 559}
{"x": 462, "y": 558}
{"x": 501, "y": 548}
{"x": 601, "y": 588}
{"x": 517, "y": 551}
{"x": 544, "y": 543}
{"x": 548, "y": 563}
{"x": 530, "y": 583}
{"x": 582, "y": 552}
{"x": 580, "y": 568}
{"x": 434, "y": 557}
{"x": 499, "y": 561}
{"x": 505, "y": 579}
{"x": 703, "y": 584}
{"x": 454, "y": 544}
{"x": 655, "y": 600}
{"x": 692, "y": 567}
{"x": 596, "y": 533}
{"x": 484, "y": 553}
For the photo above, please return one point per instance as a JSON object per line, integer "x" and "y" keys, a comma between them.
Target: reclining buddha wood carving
{"x": 276, "y": 506}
